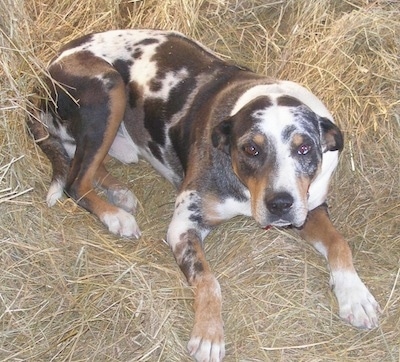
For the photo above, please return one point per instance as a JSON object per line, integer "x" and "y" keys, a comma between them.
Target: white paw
{"x": 55, "y": 192}
{"x": 356, "y": 304}
{"x": 204, "y": 350}
{"x": 121, "y": 223}
{"x": 123, "y": 198}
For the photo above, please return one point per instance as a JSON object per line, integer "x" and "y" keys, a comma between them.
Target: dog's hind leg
{"x": 95, "y": 117}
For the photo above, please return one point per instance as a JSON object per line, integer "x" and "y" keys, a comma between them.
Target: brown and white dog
{"x": 231, "y": 141}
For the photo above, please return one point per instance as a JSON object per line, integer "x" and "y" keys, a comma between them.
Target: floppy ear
{"x": 331, "y": 136}
{"x": 221, "y": 135}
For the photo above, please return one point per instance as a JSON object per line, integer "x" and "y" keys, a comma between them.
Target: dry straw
{"x": 70, "y": 291}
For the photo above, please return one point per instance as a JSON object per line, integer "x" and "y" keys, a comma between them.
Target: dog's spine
{"x": 39, "y": 116}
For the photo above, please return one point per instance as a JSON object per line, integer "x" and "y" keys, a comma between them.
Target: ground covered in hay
{"x": 70, "y": 291}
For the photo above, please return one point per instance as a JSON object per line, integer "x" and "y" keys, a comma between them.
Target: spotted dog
{"x": 232, "y": 142}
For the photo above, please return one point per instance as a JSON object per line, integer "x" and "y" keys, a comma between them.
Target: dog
{"x": 232, "y": 142}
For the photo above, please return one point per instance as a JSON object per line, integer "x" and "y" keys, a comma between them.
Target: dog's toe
{"x": 356, "y": 304}
{"x": 121, "y": 223}
{"x": 55, "y": 192}
{"x": 207, "y": 342}
{"x": 206, "y": 351}
{"x": 361, "y": 313}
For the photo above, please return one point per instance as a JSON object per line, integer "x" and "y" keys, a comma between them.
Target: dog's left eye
{"x": 251, "y": 150}
{"x": 304, "y": 149}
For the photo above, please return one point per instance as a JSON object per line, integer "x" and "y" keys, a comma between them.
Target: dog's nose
{"x": 280, "y": 203}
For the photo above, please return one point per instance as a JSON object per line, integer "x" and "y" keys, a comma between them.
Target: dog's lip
{"x": 279, "y": 223}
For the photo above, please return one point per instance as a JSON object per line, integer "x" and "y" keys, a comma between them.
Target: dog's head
{"x": 276, "y": 145}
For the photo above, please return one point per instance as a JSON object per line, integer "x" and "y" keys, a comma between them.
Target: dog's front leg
{"x": 185, "y": 236}
{"x": 356, "y": 304}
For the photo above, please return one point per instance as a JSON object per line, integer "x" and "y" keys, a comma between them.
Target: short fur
{"x": 233, "y": 143}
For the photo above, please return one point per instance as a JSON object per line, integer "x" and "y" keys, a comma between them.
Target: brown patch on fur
{"x": 303, "y": 184}
{"x": 319, "y": 228}
{"x": 297, "y": 140}
{"x": 106, "y": 181}
{"x": 82, "y": 64}
{"x": 207, "y": 307}
{"x": 190, "y": 256}
{"x": 256, "y": 183}
{"x": 211, "y": 215}
{"x": 134, "y": 114}
{"x": 259, "y": 139}
{"x": 257, "y": 190}
{"x": 288, "y": 101}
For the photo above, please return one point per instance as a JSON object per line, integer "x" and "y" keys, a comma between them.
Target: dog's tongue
{"x": 267, "y": 227}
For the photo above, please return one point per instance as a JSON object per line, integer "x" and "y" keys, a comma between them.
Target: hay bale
{"x": 72, "y": 291}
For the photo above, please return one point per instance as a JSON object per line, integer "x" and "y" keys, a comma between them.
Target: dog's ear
{"x": 331, "y": 136}
{"x": 221, "y": 135}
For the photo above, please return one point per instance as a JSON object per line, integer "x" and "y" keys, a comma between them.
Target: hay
{"x": 71, "y": 291}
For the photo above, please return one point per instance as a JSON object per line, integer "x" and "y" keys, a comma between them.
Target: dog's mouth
{"x": 294, "y": 216}
{"x": 278, "y": 223}
{"x": 282, "y": 223}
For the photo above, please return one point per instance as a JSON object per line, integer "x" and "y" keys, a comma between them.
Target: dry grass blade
{"x": 10, "y": 190}
{"x": 70, "y": 291}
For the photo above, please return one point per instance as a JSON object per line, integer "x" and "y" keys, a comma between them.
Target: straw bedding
{"x": 70, "y": 291}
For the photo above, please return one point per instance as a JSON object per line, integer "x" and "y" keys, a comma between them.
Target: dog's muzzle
{"x": 282, "y": 211}
{"x": 280, "y": 204}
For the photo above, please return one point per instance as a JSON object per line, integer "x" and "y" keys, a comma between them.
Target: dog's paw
{"x": 121, "y": 223}
{"x": 123, "y": 198}
{"x": 357, "y": 305}
{"x": 55, "y": 192}
{"x": 207, "y": 344}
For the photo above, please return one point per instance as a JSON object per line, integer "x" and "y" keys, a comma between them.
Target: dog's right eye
{"x": 251, "y": 150}
{"x": 304, "y": 149}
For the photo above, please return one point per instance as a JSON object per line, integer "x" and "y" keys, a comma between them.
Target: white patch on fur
{"x": 112, "y": 45}
{"x": 126, "y": 151}
{"x": 320, "y": 247}
{"x": 144, "y": 69}
{"x": 121, "y": 44}
{"x": 70, "y": 148}
{"x": 319, "y": 187}
{"x": 171, "y": 80}
{"x": 232, "y": 207}
{"x": 55, "y": 192}
{"x": 273, "y": 121}
{"x": 283, "y": 87}
{"x": 123, "y": 148}
{"x": 162, "y": 169}
{"x": 356, "y": 304}
{"x": 121, "y": 223}
{"x": 60, "y": 131}
{"x": 181, "y": 222}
